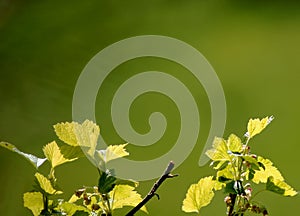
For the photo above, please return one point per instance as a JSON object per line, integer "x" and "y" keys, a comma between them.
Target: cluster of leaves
{"x": 110, "y": 193}
{"x": 236, "y": 167}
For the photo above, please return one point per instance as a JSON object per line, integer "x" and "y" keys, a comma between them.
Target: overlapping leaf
{"x": 46, "y": 185}
{"x": 34, "y": 160}
{"x": 199, "y": 195}
{"x": 125, "y": 195}
{"x": 75, "y": 134}
{"x": 219, "y": 150}
{"x": 34, "y": 202}
{"x": 234, "y": 143}
{"x": 54, "y": 155}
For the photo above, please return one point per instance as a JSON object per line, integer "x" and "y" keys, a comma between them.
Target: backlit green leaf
{"x": 66, "y": 132}
{"x": 199, "y": 195}
{"x": 234, "y": 143}
{"x": 125, "y": 195}
{"x": 54, "y": 155}
{"x": 34, "y": 202}
{"x": 45, "y": 184}
{"x": 219, "y": 150}
{"x": 255, "y": 126}
{"x": 75, "y": 134}
{"x": 71, "y": 208}
{"x": 262, "y": 175}
{"x": 280, "y": 187}
{"x": 34, "y": 160}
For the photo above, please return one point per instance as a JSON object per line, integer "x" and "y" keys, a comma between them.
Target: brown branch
{"x": 167, "y": 174}
{"x": 231, "y": 208}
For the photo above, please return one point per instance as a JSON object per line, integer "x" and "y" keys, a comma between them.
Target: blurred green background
{"x": 254, "y": 47}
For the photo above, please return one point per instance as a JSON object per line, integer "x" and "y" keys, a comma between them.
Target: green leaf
{"x": 129, "y": 182}
{"x": 280, "y": 187}
{"x": 113, "y": 152}
{"x": 72, "y": 209}
{"x": 34, "y": 160}
{"x": 262, "y": 175}
{"x": 125, "y": 195}
{"x": 226, "y": 172}
{"x": 219, "y": 151}
{"x": 87, "y": 135}
{"x": 106, "y": 182}
{"x": 199, "y": 195}
{"x": 81, "y": 213}
{"x": 34, "y": 202}
{"x": 66, "y": 132}
{"x": 46, "y": 185}
{"x": 255, "y": 126}
{"x": 75, "y": 134}
{"x": 71, "y": 152}
{"x": 229, "y": 188}
{"x": 252, "y": 161}
{"x": 54, "y": 155}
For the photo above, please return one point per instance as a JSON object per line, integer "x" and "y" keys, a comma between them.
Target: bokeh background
{"x": 254, "y": 47}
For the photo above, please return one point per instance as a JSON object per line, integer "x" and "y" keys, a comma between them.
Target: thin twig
{"x": 167, "y": 174}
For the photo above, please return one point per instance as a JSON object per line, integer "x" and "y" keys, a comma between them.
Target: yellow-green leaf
{"x": 280, "y": 187}
{"x": 199, "y": 195}
{"x": 255, "y": 126}
{"x": 75, "y": 134}
{"x": 219, "y": 150}
{"x": 34, "y": 160}
{"x": 87, "y": 135}
{"x": 54, "y": 155}
{"x": 45, "y": 184}
{"x": 66, "y": 132}
{"x": 262, "y": 175}
{"x": 125, "y": 195}
{"x": 113, "y": 152}
{"x": 34, "y": 202}
{"x": 234, "y": 143}
{"x": 71, "y": 208}
{"x": 227, "y": 172}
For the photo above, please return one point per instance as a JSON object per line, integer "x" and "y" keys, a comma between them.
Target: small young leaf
{"x": 280, "y": 187}
{"x": 34, "y": 160}
{"x": 112, "y": 152}
{"x": 54, "y": 155}
{"x": 262, "y": 175}
{"x": 255, "y": 126}
{"x": 125, "y": 195}
{"x": 34, "y": 202}
{"x": 106, "y": 182}
{"x": 46, "y": 185}
{"x": 199, "y": 195}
